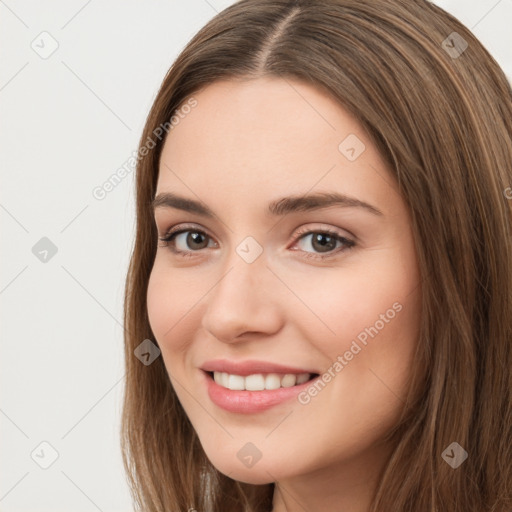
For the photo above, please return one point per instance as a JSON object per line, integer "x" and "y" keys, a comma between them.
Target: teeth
{"x": 253, "y": 382}
{"x": 236, "y": 382}
{"x": 258, "y": 381}
{"x": 303, "y": 377}
{"x": 272, "y": 381}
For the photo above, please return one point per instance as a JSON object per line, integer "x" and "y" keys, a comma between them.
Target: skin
{"x": 246, "y": 143}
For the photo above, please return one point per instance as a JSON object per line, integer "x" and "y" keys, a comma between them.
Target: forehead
{"x": 261, "y": 118}
{"x": 248, "y": 140}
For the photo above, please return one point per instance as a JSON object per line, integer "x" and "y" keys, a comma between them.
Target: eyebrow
{"x": 279, "y": 207}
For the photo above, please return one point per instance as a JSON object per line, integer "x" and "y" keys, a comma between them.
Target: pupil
{"x": 324, "y": 245}
{"x": 195, "y": 238}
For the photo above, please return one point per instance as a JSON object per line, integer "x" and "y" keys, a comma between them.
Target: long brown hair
{"x": 439, "y": 109}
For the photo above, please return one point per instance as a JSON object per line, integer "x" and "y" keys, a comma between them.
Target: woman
{"x": 323, "y": 260}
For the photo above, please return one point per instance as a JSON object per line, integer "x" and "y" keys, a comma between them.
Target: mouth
{"x": 251, "y": 395}
{"x": 260, "y": 381}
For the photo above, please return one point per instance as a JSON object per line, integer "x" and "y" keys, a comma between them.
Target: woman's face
{"x": 272, "y": 271}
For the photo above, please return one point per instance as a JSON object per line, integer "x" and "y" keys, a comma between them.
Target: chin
{"x": 254, "y": 475}
{"x": 232, "y": 465}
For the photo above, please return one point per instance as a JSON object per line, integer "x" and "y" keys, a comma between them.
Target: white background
{"x": 66, "y": 124}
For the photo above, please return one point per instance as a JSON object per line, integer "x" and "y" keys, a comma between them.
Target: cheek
{"x": 369, "y": 316}
{"x": 159, "y": 310}
{"x": 342, "y": 306}
{"x": 170, "y": 300}
{"x": 377, "y": 329}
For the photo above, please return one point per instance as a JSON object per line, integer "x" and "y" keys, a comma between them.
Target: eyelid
{"x": 184, "y": 227}
{"x": 179, "y": 229}
{"x": 325, "y": 228}
{"x": 300, "y": 231}
{"x": 349, "y": 242}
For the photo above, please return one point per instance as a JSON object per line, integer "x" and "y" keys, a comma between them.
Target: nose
{"x": 243, "y": 302}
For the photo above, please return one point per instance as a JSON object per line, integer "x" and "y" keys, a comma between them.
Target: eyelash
{"x": 169, "y": 237}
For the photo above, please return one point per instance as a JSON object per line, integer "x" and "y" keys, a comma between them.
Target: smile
{"x": 259, "y": 381}
{"x": 241, "y": 398}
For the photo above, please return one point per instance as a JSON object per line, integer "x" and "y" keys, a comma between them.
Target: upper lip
{"x": 244, "y": 368}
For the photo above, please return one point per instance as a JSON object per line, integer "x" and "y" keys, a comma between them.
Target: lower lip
{"x": 248, "y": 402}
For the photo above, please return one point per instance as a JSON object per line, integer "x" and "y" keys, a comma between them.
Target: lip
{"x": 250, "y": 402}
{"x": 244, "y": 368}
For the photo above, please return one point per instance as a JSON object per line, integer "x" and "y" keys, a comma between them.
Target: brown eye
{"x": 195, "y": 240}
{"x": 324, "y": 243}
{"x": 186, "y": 240}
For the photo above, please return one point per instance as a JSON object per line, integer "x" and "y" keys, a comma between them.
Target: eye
{"x": 186, "y": 240}
{"x": 324, "y": 242}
